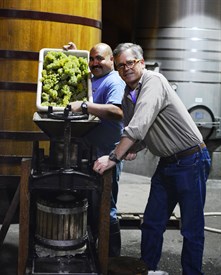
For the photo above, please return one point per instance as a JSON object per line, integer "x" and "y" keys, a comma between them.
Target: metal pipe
{"x": 211, "y": 229}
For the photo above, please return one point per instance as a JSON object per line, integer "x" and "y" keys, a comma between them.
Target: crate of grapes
{"x": 63, "y": 77}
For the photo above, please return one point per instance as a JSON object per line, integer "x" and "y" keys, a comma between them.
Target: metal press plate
{"x": 54, "y": 128}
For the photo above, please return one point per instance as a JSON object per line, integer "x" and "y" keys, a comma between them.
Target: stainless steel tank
{"x": 184, "y": 38}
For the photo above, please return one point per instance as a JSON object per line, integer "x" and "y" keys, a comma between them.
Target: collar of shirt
{"x": 133, "y": 94}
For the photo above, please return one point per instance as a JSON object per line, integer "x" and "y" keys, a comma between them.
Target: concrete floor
{"x": 133, "y": 187}
{"x": 133, "y": 194}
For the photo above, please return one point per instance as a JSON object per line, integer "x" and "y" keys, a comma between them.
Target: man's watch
{"x": 84, "y": 108}
{"x": 113, "y": 157}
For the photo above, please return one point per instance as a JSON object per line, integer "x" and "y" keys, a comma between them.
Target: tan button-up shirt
{"x": 159, "y": 119}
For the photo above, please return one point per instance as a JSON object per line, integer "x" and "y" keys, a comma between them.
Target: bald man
{"x": 107, "y": 91}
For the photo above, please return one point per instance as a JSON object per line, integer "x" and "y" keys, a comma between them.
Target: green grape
{"x": 80, "y": 87}
{"x": 45, "y": 96}
{"x": 72, "y": 80}
{"x": 53, "y": 94}
{"x": 64, "y": 79}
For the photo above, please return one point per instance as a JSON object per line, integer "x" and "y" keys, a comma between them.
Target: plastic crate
{"x": 42, "y": 54}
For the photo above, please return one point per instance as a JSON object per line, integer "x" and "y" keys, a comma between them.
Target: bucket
{"x": 26, "y": 28}
{"x": 61, "y": 222}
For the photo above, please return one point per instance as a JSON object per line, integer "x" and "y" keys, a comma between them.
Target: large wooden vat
{"x": 25, "y": 28}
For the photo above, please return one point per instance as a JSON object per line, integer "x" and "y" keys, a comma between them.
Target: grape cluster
{"x": 64, "y": 79}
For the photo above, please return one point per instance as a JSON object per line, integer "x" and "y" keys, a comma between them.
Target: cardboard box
{"x": 42, "y": 54}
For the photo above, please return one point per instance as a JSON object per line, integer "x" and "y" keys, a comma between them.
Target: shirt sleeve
{"x": 115, "y": 93}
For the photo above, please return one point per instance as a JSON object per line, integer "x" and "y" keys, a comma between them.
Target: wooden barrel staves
{"x": 27, "y": 27}
{"x": 61, "y": 222}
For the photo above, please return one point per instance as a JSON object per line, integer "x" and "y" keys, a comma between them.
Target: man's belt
{"x": 184, "y": 153}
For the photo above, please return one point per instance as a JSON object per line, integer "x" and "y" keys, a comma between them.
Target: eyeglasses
{"x": 129, "y": 64}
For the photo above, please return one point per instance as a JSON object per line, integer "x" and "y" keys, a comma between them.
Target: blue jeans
{"x": 182, "y": 182}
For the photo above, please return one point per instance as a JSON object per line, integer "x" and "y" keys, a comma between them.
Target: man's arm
{"x": 106, "y": 111}
{"x": 104, "y": 163}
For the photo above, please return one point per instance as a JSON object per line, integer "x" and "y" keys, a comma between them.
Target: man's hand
{"x": 102, "y": 164}
{"x": 130, "y": 156}
{"x": 70, "y": 46}
{"x": 76, "y": 106}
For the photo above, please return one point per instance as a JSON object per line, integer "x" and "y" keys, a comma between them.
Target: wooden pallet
{"x": 134, "y": 221}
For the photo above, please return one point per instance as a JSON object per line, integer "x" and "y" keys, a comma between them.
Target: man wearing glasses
{"x": 155, "y": 118}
